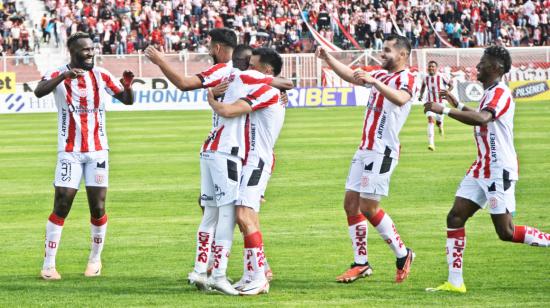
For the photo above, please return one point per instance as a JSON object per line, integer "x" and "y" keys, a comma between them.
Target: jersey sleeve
{"x": 111, "y": 84}
{"x": 212, "y": 76}
{"x": 51, "y": 74}
{"x": 252, "y": 77}
{"x": 378, "y": 74}
{"x": 498, "y": 102}
{"x": 407, "y": 82}
{"x": 262, "y": 96}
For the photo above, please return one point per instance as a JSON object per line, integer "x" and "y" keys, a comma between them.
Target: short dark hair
{"x": 239, "y": 60}
{"x": 270, "y": 57}
{"x": 75, "y": 37}
{"x": 401, "y": 42}
{"x": 500, "y": 55}
{"x": 432, "y": 61}
{"x": 224, "y": 36}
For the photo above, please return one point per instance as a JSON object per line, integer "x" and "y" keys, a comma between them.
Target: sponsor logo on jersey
{"x": 219, "y": 192}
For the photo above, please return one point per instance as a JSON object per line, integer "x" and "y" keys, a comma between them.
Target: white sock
{"x": 224, "y": 239}
{"x": 205, "y": 237}
{"x": 358, "y": 231}
{"x": 54, "y": 227}
{"x": 255, "y": 256}
{"x": 98, "y": 229}
{"x": 456, "y": 244}
{"x": 430, "y": 133}
{"x": 384, "y": 225}
{"x": 531, "y": 236}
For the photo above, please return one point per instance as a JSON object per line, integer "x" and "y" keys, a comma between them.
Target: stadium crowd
{"x": 126, "y": 26}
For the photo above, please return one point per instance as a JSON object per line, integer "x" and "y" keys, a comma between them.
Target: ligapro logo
{"x": 14, "y": 103}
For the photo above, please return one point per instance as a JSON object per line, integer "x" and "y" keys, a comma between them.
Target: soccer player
{"x": 434, "y": 82}
{"x": 267, "y": 114}
{"x": 81, "y": 90}
{"x": 492, "y": 177}
{"x": 393, "y": 90}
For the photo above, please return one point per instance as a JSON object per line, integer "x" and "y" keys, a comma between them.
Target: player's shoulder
{"x": 253, "y": 77}
{"x": 56, "y": 70}
{"x": 217, "y": 68}
{"x": 100, "y": 69}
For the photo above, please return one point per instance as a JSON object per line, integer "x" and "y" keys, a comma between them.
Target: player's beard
{"x": 389, "y": 64}
{"x": 81, "y": 61}
{"x": 215, "y": 59}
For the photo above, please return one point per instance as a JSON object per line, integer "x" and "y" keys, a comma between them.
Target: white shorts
{"x": 370, "y": 173}
{"x": 253, "y": 184}
{"x": 437, "y": 117}
{"x": 498, "y": 193}
{"x": 220, "y": 175}
{"x": 71, "y": 166}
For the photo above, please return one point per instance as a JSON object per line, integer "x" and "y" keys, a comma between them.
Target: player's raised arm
{"x": 398, "y": 96}
{"x": 235, "y": 109}
{"x": 48, "y": 83}
{"x": 127, "y": 95}
{"x": 342, "y": 70}
{"x": 184, "y": 83}
{"x": 466, "y": 115}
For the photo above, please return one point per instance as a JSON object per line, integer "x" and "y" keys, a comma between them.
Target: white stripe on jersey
{"x": 266, "y": 124}
{"x": 383, "y": 119}
{"x": 435, "y": 84}
{"x": 495, "y": 141}
{"x": 81, "y": 109}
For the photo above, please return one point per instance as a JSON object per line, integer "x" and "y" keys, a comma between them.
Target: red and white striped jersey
{"x": 384, "y": 119}
{"x": 213, "y": 76}
{"x": 433, "y": 85}
{"x": 496, "y": 155}
{"x": 230, "y": 135}
{"x": 81, "y": 109}
{"x": 266, "y": 122}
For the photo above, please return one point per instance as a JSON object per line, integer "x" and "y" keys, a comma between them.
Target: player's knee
{"x": 351, "y": 204}
{"x": 455, "y": 220}
{"x": 97, "y": 212}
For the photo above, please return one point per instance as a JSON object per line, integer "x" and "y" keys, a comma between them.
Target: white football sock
{"x": 98, "y": 229}
{"x": 224, "y": 239}
{"x": 456, "y": 244}
{"x": 384, "y": 225}
{"x": 205, "y": 237}
{"x": 54, "y": 227}
{"x": 358, "y": 231}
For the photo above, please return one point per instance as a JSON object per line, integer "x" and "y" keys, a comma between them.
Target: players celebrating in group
{"x": 435, "y": 82}
{"x": 235, "y": 139}
{"x": 237, "y": 158}
{"x": 492, "y": 177}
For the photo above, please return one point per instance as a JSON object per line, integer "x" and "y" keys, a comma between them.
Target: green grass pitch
{"x": 153, "y": 215}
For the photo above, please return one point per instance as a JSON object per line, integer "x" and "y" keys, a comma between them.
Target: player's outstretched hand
{"x": 220, "y": 89}
{"x": 321, "y": 53}
{"x": 153, "y": 54}
{"x": 435, "y": 108}
{"x": 445, "y": 94}
{"x": 127, "y": 79}
{"x": 74, "y": 73}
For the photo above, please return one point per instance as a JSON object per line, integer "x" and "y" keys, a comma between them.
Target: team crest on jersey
{"x": 364, "y": 181}
{"x": 493, "y": 203}
{"x": 99, "y": 178}
{"x": 82, "y": 92}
